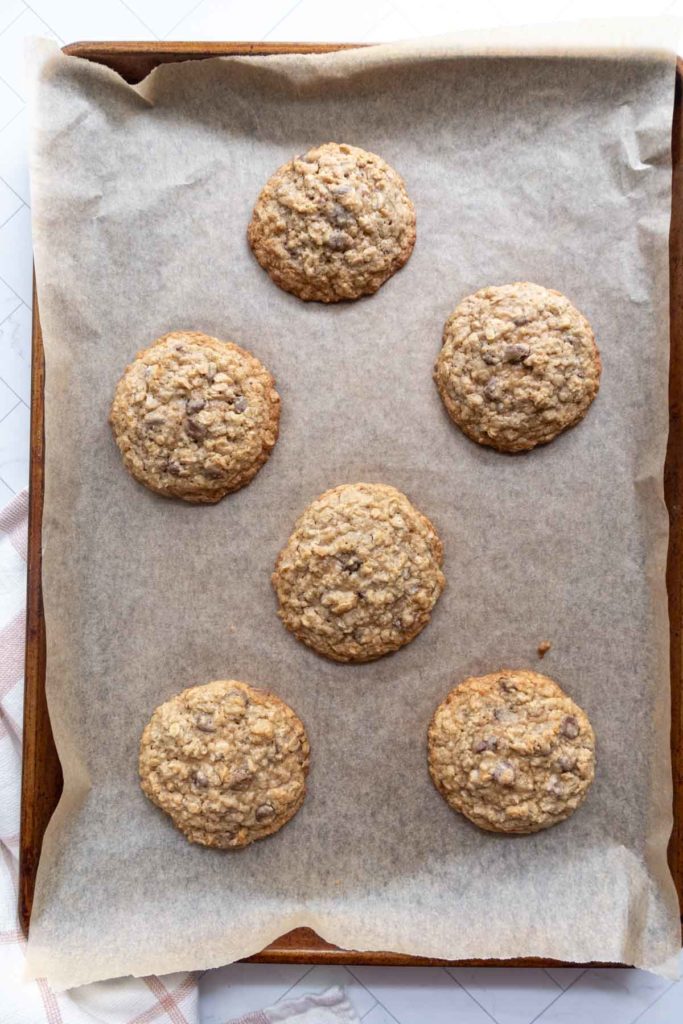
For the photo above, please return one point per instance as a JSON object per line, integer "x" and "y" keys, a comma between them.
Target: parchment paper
{"x": 525, "y": 168}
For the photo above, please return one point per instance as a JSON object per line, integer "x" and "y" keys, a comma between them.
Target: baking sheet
{"x": 556, "y": 171}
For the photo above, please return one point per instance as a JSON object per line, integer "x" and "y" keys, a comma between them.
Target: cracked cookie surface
{"x": 195, "y": 417}
{"x": 227, "y": 761}
{"x": 519, "y": 365}
{"x": 360, "y": 574}
{"x": 334, "y": 223}
{"x": 511, "y": 751}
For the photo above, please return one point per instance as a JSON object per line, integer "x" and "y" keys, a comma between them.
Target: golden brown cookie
{"x": 519, "y": 365}
{"x": 332, "y": 224}
{"x": 226, "y": 761}
{"x": 511, "y": 751}
{"x": 360, "y": 574}
{"x": 195, "y": 417}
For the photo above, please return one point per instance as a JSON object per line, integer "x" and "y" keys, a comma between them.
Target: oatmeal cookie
{"x": 519, "y": 365}
{"x": 360, "y": 574}
{"x": 226, "y": 761}
{"x": 333, "y": 224}
{"x": 511, "y": 751}
{"x": 195, "y": 417}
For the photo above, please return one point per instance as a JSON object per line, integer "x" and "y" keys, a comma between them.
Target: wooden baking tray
{"x": 42, "y": 776}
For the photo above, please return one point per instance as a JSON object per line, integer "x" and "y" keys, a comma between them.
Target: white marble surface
{"x": 380, "y": 995}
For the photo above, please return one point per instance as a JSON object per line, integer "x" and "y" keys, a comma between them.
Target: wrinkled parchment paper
{"x": 528, "y": 168}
